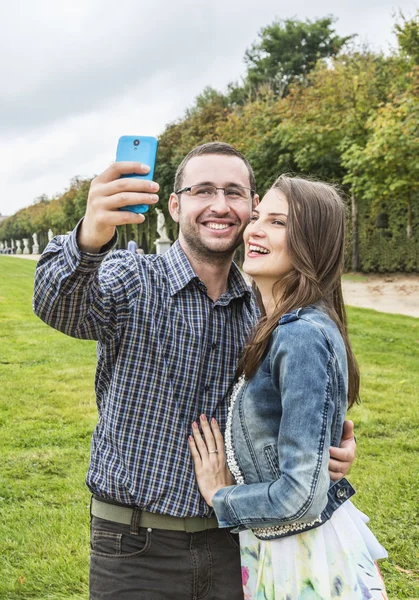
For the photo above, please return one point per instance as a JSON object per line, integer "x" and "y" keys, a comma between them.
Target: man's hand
{"x": 108, "y": 192}
{"x": 341, "y": 458}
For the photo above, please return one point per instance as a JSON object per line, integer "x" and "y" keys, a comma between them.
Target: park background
{"x": 311, "y": 102}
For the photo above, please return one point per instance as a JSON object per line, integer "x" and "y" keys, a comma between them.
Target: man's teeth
{"x": 218, "y": 225}
{"x": 258, "y": 249}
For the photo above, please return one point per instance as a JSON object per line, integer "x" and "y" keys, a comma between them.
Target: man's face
{"x": 211, "y": 227}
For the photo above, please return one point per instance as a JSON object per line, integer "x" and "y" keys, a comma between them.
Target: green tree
{"x": 386, "y": 169}
{"x": 252, "y": 129}
{"x": 289, "y": 49}
{"x": 330, "y": 113}
{"x": 407, "y": 32}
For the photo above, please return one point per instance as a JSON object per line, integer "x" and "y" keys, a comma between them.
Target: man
{"x": 132, "y": 246}
{"x": 170, "y": 329}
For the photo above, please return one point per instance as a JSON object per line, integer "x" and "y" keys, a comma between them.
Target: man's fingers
{"x": 341, "y": 454}
{"x": 348, "y": 430}
{"x": 127, "y": 184}
{"x": 336, "y": 476}
{"x": 121, "y": 217}
{"x": 116, "y": 169}
{"x": 336, "y": 466}
{"x": 128, "y": 199}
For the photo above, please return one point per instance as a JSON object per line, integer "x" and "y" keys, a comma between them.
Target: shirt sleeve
{"x": 302, "y": 375}
{"x": 81, "y": 294}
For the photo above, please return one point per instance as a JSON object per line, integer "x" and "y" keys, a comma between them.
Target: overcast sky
{"x": 77, "y": 74}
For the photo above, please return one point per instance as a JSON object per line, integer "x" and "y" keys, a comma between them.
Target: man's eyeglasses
{"x": 232, "y": 193}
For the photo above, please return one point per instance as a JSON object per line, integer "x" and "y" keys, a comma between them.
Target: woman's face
{"x": 265, "y": 238}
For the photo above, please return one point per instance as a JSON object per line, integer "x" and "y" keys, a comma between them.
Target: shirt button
{"x": 206, "y": 388}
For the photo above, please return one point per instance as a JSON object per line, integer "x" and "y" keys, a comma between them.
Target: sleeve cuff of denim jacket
{"x": 85, "y": 262}
{"x": 220, "y": 507}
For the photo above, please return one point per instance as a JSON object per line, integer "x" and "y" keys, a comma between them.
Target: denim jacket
{"x": 282, "y": 423}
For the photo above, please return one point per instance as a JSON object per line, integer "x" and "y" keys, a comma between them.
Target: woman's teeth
{"x": 258, "y": 249}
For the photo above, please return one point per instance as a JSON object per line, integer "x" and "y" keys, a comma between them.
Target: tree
{"x": 386, "y": 169}
{"x": 330, "y": 113}
{"x": 407, "y": 32}
{"x": 290, "y": 49}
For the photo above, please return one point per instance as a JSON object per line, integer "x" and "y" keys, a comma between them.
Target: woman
{"x": 300, "y": 538}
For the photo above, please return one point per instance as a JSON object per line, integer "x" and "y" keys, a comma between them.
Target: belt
{"x": 124, "y": 516}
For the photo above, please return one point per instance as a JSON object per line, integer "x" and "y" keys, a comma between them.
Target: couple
{"x": 171, "y": 330}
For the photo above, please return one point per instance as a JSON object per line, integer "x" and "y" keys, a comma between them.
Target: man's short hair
{"x": 212, "y": 148}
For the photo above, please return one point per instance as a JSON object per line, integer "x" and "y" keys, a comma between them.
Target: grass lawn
{"x": 47, "y": 415}
{"x": 356, "y": 277}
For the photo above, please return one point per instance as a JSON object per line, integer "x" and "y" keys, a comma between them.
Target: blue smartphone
{"x": 142, "y": 149}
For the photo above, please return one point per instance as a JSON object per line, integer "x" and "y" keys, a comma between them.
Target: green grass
{"x": 47, "y": 415}
{"x": 356, "y": 277}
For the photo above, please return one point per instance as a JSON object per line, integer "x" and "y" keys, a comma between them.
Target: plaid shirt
{"x": 166, "y": 354}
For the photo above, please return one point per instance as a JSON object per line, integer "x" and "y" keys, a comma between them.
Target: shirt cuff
{"x": 220, "y": 506}
{"x": 86, "y": 262}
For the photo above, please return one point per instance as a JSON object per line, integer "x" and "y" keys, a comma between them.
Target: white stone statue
{"x": 25, "y": 246}
{"x": 163, "y": 242}
{"x": 50, "y": 235}
{"x": 35, "y": 247}
{"x": 1, "y": 247}
{"x": 161, "y": 227}
{"x": 18, "y": 247}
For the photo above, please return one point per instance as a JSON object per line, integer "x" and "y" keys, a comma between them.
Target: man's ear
{"x": 174, "y": 206}
{"x": 256, "y": 200}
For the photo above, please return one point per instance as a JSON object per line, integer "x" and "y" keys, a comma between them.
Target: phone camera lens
{"x": 136, "y": 142}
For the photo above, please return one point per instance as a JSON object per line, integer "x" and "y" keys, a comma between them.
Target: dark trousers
{"x": 158, "y": 564}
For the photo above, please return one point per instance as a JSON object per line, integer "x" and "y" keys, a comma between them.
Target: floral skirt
{"x": 333, "y": 561}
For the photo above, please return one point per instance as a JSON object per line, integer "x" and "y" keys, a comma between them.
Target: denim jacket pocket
{"x": 272, "y": 460}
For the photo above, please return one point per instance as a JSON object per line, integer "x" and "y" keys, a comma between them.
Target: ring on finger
{"x": 212, "y": 451}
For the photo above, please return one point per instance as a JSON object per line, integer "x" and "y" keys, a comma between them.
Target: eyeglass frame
{"x": 189, "y": 187}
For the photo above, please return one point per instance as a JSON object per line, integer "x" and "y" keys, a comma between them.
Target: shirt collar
{"x": 180, "y": 273}
{"x": 179, "y": 269}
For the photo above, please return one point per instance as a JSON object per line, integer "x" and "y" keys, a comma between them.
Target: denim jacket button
{"x": 341, "y": 493}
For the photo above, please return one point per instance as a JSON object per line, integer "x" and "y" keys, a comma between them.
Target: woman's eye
{"x": 253, "y": 218}
{"x": 279, "y": 223}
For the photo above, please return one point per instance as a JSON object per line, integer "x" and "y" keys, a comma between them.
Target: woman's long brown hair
{"x": 315, "y": 243}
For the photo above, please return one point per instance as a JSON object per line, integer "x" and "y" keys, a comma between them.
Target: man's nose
{"x": 219, "y": 202}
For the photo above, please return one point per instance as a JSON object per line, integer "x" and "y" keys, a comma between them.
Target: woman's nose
{"x": 257, "y": 231}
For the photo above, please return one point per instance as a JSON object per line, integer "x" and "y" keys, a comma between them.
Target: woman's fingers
{"x": 219, "y": 440}
{"x": 200, "y": 444}
{"x": 194, "y": 451}
{"x": 209, "y": 437}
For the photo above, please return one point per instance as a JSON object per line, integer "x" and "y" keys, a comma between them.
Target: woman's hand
{"x": 209, "y": 459}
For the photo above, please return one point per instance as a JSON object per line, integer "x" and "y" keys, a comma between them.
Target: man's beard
{"x": 203, "y": 252}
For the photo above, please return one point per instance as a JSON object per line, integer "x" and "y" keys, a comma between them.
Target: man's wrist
{"x": 90, "y": 243}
